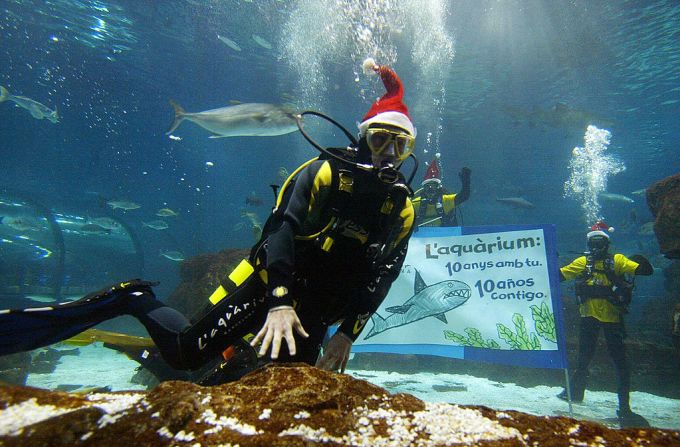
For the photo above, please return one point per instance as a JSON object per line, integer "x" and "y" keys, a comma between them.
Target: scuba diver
{"x": 330, "y": 250}
{"x": 435, "y": 207}
{"x": 603, "y": 293}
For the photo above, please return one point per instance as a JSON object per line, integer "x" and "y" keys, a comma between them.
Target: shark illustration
{"x": 427, "y": 301}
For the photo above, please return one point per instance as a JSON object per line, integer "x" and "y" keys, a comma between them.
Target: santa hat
{"x": 433, "y": 173}
{"x": 390, "y": 108}
{"x": 600, "y": 229}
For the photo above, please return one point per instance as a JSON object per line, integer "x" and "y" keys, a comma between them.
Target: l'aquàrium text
{"x": 434, "y": 251}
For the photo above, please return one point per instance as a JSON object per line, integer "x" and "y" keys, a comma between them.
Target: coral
{"x": 284, "y": 405}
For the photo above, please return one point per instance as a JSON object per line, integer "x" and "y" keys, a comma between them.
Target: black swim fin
{"x": 32, "y": 328}
{"x": 628, "y": 419}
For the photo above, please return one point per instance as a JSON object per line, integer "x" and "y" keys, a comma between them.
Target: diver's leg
{"x": 31, "y": 328}
{"x": 163, "y": 323}
{"x": 614, "y": 335}
{"x": 588, "y": 331}
{"x": 229, "y": 320}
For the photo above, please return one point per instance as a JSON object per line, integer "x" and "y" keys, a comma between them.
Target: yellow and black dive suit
{"x": 336, "y": 242}
{"x": 439, "y": 209}
{"x": 600, "y": 310}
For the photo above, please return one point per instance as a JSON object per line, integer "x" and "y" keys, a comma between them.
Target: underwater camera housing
{"x": 350, "y": 154}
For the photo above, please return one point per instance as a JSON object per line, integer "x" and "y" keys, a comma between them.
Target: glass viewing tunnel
{"x": 49, "y": 255}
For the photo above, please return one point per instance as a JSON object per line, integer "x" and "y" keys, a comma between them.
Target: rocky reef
{"x": 285, "y": 405}
{"x": 663, "y": 199}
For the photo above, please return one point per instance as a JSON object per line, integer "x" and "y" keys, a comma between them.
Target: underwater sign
{"x": 478, "y": 293}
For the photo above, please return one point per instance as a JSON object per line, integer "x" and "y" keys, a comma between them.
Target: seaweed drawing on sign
{"x": 544, "y": 322}
{"x": 427, "y": 301}
{"x": 474, "y": 339}
{"x": 520, "y": 338}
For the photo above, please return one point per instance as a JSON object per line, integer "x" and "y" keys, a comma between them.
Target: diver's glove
{"x": 644, "y": 268}
{"x": 280, "y": 323}
{"x": 336, "y": 354}
{"x": 464, "y": 175}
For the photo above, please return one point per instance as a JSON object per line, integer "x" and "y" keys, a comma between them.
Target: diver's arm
{"x": 644, "y": 267}
{"x": 281, "y": 242}
{"x": 282, "y": 319}
{"x": 464, "y": 193}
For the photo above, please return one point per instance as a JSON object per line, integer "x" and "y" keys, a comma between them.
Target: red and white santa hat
{"x": 390, "y": 108}
{"x": 600, "y": 229}
{"x": 433, "y": 173}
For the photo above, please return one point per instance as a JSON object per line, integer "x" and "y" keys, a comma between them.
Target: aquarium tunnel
{"x": 49, "y": 254}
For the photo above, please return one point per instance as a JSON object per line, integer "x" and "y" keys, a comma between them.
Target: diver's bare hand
{"x": 279, "y": 325}
{"x": 336, "y": 354}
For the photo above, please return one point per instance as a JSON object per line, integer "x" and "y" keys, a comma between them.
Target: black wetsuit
{"x": 342, "y": 283}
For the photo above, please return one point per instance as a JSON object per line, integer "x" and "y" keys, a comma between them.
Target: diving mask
{"x": 598, "y": 243}
{"x": 379, "y": 139}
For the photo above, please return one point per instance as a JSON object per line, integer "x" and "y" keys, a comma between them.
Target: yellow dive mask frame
{"x": 379, "y": 139}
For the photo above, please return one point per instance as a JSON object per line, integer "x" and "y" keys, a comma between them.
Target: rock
{"x": 284, "y": 405}
{"x": 663, "y": 199}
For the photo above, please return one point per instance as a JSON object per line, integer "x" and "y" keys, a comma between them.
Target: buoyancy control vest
{"x": 342, "y": 189}
{"x": 619, "y": 291}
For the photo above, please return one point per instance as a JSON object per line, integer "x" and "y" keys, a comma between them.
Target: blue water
{"x": 481, "y": 80}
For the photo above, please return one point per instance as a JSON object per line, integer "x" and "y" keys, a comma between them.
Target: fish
{"x": 166, "y": 212}
{"x": 639, "y": 192}
{"x": 21, "y": 223}
{"x": 156, "y": 224}
{"x": 37, "y": 110}
{"x": 282, "y": 174}
{"x": 172, "y": 255}
{"x": 253, "y": 199}
{"x": 105, "y": 222}
{"x": 92, "y": 228}
{"x": 262, "y": 42}
{"x": 123, "y": 204}
{"x": 611, "y": 197}
{"x": 228, "y": 42}
{"x": 252, "y": 217}
{"x": 427, "y": 301}
{"x": 241, "y": 120}
{"x": 257, "y": 231}
{"x": 558, "y": 116}
{"x": 646, "y": 229}
{"x": 517, "y": 202}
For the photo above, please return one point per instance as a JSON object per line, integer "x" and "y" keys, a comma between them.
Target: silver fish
{"x": 427, "y": 301}
{"x": 156, "y": 224}
{"x": 123, "y": 204}
{"x": 166, "y": 212}
{"x": 241, "y": 120}
{"x": 262, "y": 42}
{"x": 519, "y": 202}
{"x": 36, "y": 109}
{"x": 94, "y": 229}
{"x": 172, "y": 255}
{"x": 611, "y": 197}
{"x": 105, "y": 222}
{"x": 230, "y": 43}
